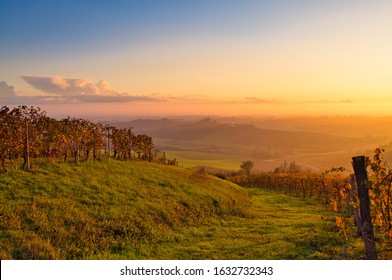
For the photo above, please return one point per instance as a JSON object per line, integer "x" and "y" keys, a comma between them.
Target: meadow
{"x": 113, "y": 209}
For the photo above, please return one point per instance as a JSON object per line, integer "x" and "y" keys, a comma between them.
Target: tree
{"x": 7, "y": 147}
{"x": 247, "y": 167}
{"x": 65, "y": 135}
{"x": 20, "y": 134}
{"x": 26, "y": 121}
{"x": 96, "y": 139}
{"x": 28, "y": 133}
{"x": 293, "y": 167}
{"x": 51, "y": 136}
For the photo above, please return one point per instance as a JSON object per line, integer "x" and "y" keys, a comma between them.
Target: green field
{"x": 279, "y": 227}
{"x": 137, "y": 210}
{"x": 195, "y": 158}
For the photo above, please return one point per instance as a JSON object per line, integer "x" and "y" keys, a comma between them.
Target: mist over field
{"x": 314, "y": 143}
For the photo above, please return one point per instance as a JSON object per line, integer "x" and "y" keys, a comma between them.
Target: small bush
{"x": 221, "y": 176}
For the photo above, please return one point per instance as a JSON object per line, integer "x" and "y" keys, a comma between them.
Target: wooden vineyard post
{"x": 353, "y": 210}
{"x": 26, "y": 162}
{"x": 108, "y": 144}
{"x": 364, "y": 206}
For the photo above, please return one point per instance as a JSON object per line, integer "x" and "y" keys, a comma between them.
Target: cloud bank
{"x": 59, "y": 90}
{"x": 81, "y": 90}
{"x": 6, "y": 91}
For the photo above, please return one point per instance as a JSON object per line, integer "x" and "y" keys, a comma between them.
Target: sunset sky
{"x": 220, "y": 57}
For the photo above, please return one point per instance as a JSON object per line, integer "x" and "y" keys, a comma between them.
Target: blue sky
{"x": 198, "y": 52}
{"x": 81, "y": 25}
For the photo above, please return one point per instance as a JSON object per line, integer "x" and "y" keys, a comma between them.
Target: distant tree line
{"x": 27, "y": 132}
{"x": 291, "y": 167}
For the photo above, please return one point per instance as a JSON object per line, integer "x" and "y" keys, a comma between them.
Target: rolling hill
{"x": 207, "y": 142}
{"x": 113, "y": 209}
{"x": 108, "y": 209}
{"x": 208, "y": 131}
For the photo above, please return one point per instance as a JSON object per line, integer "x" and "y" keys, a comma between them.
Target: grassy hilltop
{"x": 108, "y": 209}
{"x": 113, "y": 209}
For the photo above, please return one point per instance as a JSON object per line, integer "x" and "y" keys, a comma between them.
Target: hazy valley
{"x": 314, "y": 143}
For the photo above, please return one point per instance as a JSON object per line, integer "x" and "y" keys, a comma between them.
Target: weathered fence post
{"x": 108, "y": 144}
{"x": 364, "y": 206}
{"x": 26, "y": 152}
{"x": 353, "y": 210}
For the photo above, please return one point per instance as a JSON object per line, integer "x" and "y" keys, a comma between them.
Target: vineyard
{"x": 26, "y": 132}
{"x": 338, "y": 192}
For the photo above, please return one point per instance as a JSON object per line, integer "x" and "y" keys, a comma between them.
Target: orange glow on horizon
{"x": 172, "y": 109}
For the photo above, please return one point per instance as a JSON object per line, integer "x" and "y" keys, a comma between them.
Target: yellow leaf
{"x": 339, "y": 221}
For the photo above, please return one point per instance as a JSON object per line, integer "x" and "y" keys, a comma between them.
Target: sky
{"x": 221, "y": 57}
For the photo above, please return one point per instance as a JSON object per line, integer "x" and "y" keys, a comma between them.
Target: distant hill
{"x": 349, "y": 126}
{"x": 212, "y": 132}
{"x": 315, "y": 143}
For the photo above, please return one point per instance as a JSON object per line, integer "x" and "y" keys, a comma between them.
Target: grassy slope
{"x": 137, "y": 210}
{"x": 106, "y": 209}
{"x": 279, "y": 227}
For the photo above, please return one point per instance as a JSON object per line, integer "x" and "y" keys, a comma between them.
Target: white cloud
{"x": 82, "y": 90}
{"x": 60, "y": 82}
{"x": 6, "y": 91}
